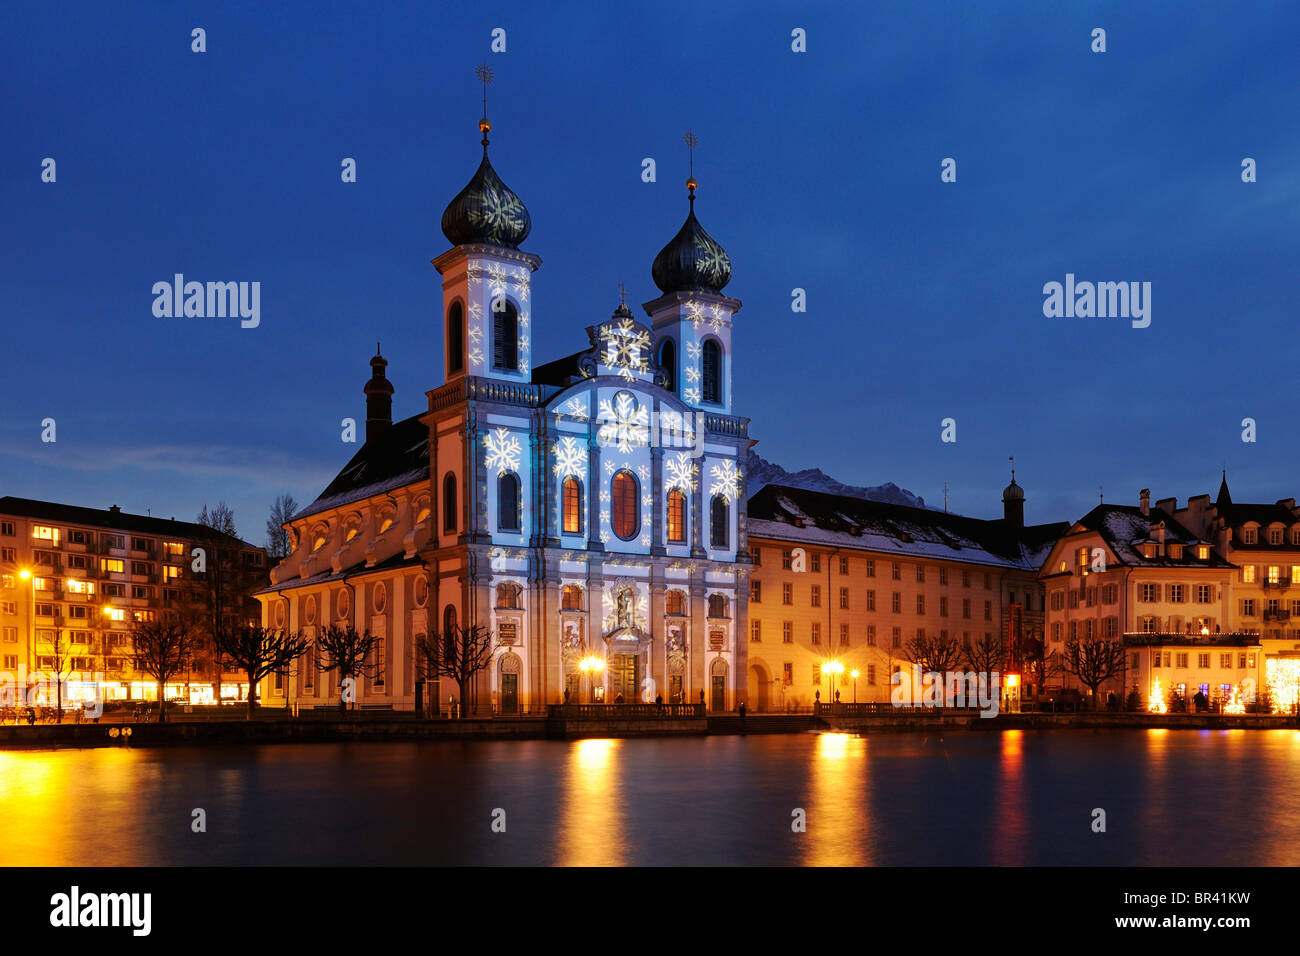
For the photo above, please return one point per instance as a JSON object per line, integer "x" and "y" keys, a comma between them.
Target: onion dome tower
{"x": 691, "y": 323}
{"x": 486, "y": 277}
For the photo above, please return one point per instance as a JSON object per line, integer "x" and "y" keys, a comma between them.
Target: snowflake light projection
{"x": 500, "y": 211}
{"x": 604, "y": 496}
{"x": 626, "y": 348}
{"x": 644, "y": 472}
{"x": 645, "y": 540}
{"x": 625, "y": 424}
{"x": 726, "y": 480}
{"x": 695, "y": 314}
{"x": 609, "y": 467}
{"x": 682, "y": 472}
{"x": 497, "y": 279}
{"x": 570, "y": 458}
{"x": 503, "y": 451}
{"x": 694, "y": 349}
{"x": 692, "y": 395}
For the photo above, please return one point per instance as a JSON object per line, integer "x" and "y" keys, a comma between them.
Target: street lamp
{"x": 592, "y": 665}
{"x": 855, "y": 685}
{"x": 831, "y": 669}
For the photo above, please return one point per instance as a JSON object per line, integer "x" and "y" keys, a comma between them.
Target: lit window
{"x": 572, "y": 506}
{"x": 625, "y": 510}
{"x": 677, "y": 516}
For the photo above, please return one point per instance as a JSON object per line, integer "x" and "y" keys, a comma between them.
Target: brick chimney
{"x": 1144, "y": 500}
{"x": 379, "y": 398}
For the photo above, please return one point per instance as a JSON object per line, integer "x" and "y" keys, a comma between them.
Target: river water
{"x": 969, "y": 798}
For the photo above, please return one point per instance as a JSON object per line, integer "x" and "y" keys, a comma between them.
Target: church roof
{"x": 795, "y": 514}
{"x": 399, "y": 456}
{"x": 398, "y": 560}
{"x": 486, "y": 210}
{"x": 693, "y": 261}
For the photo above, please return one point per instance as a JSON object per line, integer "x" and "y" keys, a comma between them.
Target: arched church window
{"x": 508, "y": 502}
{"x": 571, "y": 598}
{"x": 455, "y": 338}
{"x": 505, "y": 335}
{"x": 572, "y": 506}
{"x": 676, "y": 515}
{"x": 449, "y": 623}
{"x": 625, "y": 510}
{"x": 449, "y": 502}
{"x": 668, "y": 362}
{"x": 675, "y": 603}
{"x": 719, "y": 522}
{"x": 711, "y": 362}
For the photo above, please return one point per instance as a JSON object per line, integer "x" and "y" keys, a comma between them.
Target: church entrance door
{"x": 625, "y": 678}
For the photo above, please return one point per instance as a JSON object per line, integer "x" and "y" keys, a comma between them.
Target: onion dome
{"x": 693, "y": 261}
{"x": 1013, "y": 492}
{"x": 486, "y": 210}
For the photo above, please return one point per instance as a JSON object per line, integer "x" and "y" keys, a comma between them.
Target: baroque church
{"x": 588, "y": 511}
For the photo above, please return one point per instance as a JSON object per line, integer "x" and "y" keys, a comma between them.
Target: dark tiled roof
{"x": 1123, "y": 527}
{"x": 397, "y": 457}
{"x": 561, "y": 372}
{"x": 355, "y": 571}
{"x": 109, "y": 520}
{"x": 1236, "y": 515}
{"x": 847, "y": 521}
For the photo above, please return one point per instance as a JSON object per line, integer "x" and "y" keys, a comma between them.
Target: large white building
{"x": 588, "y": 506}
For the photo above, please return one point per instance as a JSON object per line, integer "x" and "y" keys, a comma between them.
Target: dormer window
{"x": 1249, "y": 536}
{"x": 1275, "y": 536}
{"x": 1176, "y": 552}
{"x": 1203, "y": 552}
{"x": 1148, "y": 549}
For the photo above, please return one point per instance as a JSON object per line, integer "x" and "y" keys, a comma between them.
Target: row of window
{"x": 624, "y": 512}
{"x": 117, "y": 542}
{"x": 1275, "y": 535}
{"x": 1244, "y": 659}
{"x": 1147, "y": 592}
{"x": 505, "y": 349}
{"x": 845, "y": 637}
{"x": 1270, "y": 574}
{"x": 814, "y": 565}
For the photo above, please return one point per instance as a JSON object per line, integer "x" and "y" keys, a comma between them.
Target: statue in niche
{"x": 624, "y": 613}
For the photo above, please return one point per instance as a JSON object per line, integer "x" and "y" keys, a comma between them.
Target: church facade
{"x": 587, "y": 511}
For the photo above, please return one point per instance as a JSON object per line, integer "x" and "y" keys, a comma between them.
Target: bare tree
{"x": 258, "y": 651}
{"x": 1041, "y": 664}
{"x": 987, "y": 654}
{"x": 277, "y": 536}
{"x": 220, "y": 518}
{"x": 57, "y": 651}
{"x": 350, "y": 653}
{"x": 1093, "y": 662}
{"x": 933, "y": 655}
{"x": 161, "y": 648}
{"x": 459, "y": 653}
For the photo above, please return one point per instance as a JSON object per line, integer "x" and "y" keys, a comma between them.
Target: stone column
{"x": 595, "y": 481}
{"x": 657, "y": 493}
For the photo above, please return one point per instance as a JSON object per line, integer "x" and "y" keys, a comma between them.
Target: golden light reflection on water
{"x": 1009, "y": 828}
{"x": 591, "y": 811}
{"x": 46, "y": 814}
{"x": 839, "y": 825}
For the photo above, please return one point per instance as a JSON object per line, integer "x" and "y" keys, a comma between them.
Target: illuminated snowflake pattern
{"x": 692, "y": 373}
{"x": 626, "y": 348}
{"x": 503, "y": 451}
{"x": 694, "y": 349}
{"x": 625, "y": 424}
{"x": 609, "y": 606}
{"x": 570, "y": 458}
{"x": 643, "y": 471}
{"x": 726, "y": 480}
{"x": 609, "y": 467}
{"x": 692, "y": 395}
{"x": 645, "y": 540}
{"x": 682, "y": 472}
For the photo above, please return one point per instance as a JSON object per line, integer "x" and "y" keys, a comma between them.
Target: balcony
{"x": 1280, "y": 584}
{"x": 1277, "y": 615}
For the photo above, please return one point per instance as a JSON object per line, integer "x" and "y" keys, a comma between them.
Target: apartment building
{"x": 74, "y": 580}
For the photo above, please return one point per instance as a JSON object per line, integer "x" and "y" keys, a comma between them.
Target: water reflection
{"x": 838, "y": 826}
{"x": 1172, "y": 798}
{"x": 591, "y": 814}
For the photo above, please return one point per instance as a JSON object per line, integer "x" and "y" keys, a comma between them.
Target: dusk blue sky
{"x": 817, "y": 170}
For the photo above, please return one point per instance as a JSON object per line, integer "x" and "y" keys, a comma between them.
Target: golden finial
{"x": 484, "y": 74}
{"x": 691, "y": 141}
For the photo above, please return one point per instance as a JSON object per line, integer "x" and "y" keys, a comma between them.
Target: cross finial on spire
{"x": 484, "y": 74}
{"x": 691, "y": 141}
{"x": 378, "y": 351}
{"x": 622, "y": 294}
{"x": 1012, "y": 459}
{"x": 1101, "y": 496}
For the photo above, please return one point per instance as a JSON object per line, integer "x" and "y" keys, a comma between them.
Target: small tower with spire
{"x": 379, "y": 398}
{"x": 1013, "y": 501}
{"x": 486, "y": 278}
{"x": 691, "y": 322}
